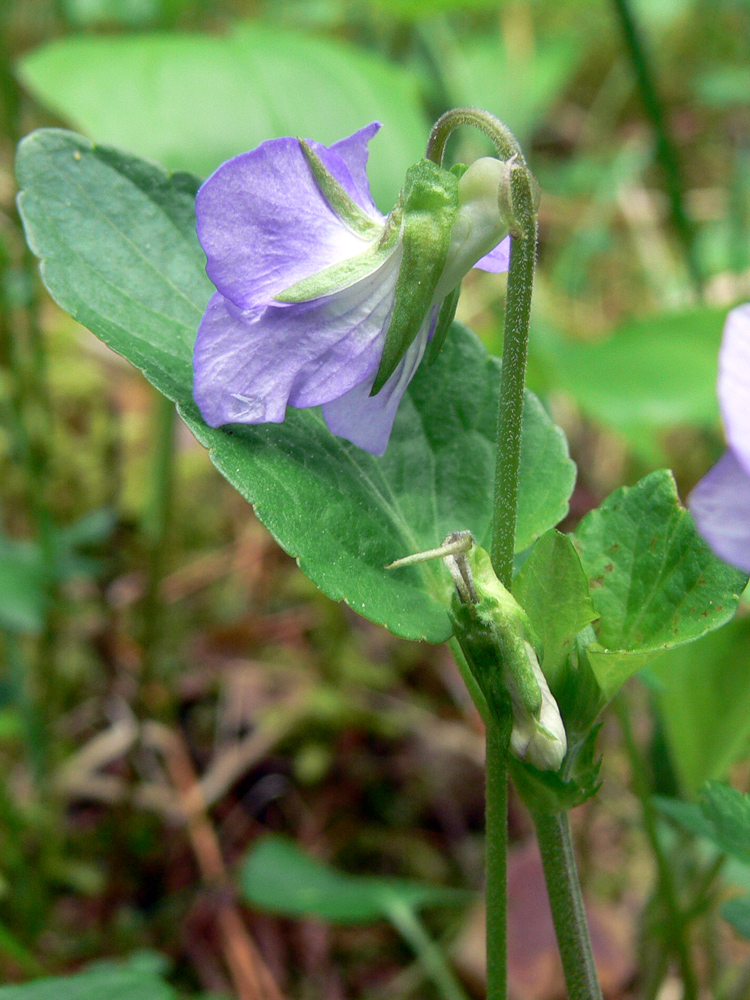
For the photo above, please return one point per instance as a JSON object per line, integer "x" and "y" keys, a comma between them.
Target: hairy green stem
{"x": 675, "y": 919}
{"x": 519, "y": 199}
{"x": 515, "y": 346}
{"x": 410, "y": 927}
{"x": 665, "y": 148}
{"x": 496, "y": 826}
{"x": 566, "y": 902}
{"x": 506, "y": 144}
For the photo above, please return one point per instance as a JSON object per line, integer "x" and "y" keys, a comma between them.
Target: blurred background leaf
{"x": 191, "y": 102}
{"x": 703, "y": 692}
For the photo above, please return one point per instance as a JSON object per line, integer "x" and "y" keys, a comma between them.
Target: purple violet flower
{"x": 305, "y": 269}
{"x": 720, "y": 503}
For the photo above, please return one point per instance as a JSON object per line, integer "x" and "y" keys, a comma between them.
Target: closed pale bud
{"x": 480, "y": 224}
{"x": 539, "y": 741}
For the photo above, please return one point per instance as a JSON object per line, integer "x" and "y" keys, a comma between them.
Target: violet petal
{"x": 264, "y": 223}
{"x": 496, "y": 260}
{"x": 367, "y": 420}
{"x": 354, "y": 152}
{"x": 734, "y": 383}
{"x": 250, "y": 364}
{"x": 720, "y": 505}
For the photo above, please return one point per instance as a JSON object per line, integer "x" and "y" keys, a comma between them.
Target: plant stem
{"x": 411, "y": 928}
{"x": 21, "y": 678}
{"x": 156, "y": 524}
{"x": 675, "y": 919}
{"x": 510, "y": 413}
{"x": 566, "y": 902}
{"x": 496, "y": 827}
{"x": 506, "y": 144}
{"x": 665, "y": 148}
{"x": 521, "y": 202}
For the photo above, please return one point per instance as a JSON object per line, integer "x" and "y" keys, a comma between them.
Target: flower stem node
{"x": 502, "y": 651}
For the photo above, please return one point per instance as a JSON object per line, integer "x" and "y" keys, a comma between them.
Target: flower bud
{"x": 497, "y": 639}
{"x": 480, "y": 223}
{"x": 539, "y": 741}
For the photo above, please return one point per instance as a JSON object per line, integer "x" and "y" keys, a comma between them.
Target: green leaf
{"x": 553, "y": 590}
{"x": 703, "y": 692}
{"x": 737, "y": 913}
{"x": 654, "y": 582}
{"x": 23, "y": 586}
{"x": 119, "y": 252}
{"x": 686, "y": 814}
{"x": 520, "y": 89}
{"x": 193, "y": 101}
{"x": 106, "y": 981}
{"x": 723, "y": 87}
{"x": 722, "y": 816}
{"x": 279, "y": 878}
{"x": 728, "y": 811}
{"x": 416, "y": 10}
{"x": 129, "y": 13}
{"x": 651, "y": 374}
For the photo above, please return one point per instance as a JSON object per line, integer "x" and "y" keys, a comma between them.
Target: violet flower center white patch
{"x": 267, "y": 227}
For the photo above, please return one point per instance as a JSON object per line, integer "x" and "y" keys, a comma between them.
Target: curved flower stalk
{"x": 720, "y": 503}
{"x": 320, "y": 300}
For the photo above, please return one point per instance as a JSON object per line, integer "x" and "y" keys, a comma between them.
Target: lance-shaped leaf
{"x": 139, "y": 977}
{"x": 279, "y": 878}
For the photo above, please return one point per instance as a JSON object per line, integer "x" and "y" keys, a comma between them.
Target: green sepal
{"x": 553, "y": 589}
{"x": 493, "y": 633}
{"x": 556, "y": 791}
{"x": 499, "y": 609}
{"x": 577, "y": 691}
{"x": 430, "y": 205}
{"x": 480, "y": 643}
{"x": 445, "y": 318}
{"x": 340, "y": 201}
{"x": 347, "y": 272}
{"x": 449, "y": 304}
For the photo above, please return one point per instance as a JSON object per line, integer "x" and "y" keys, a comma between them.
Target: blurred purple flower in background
{"x": 306, "y": 278}
{"x": 720, "y": 503}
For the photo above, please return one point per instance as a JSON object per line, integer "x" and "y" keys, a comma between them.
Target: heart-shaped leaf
{"x": 654, "y": 582}
{"x": 118, "y": 248}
